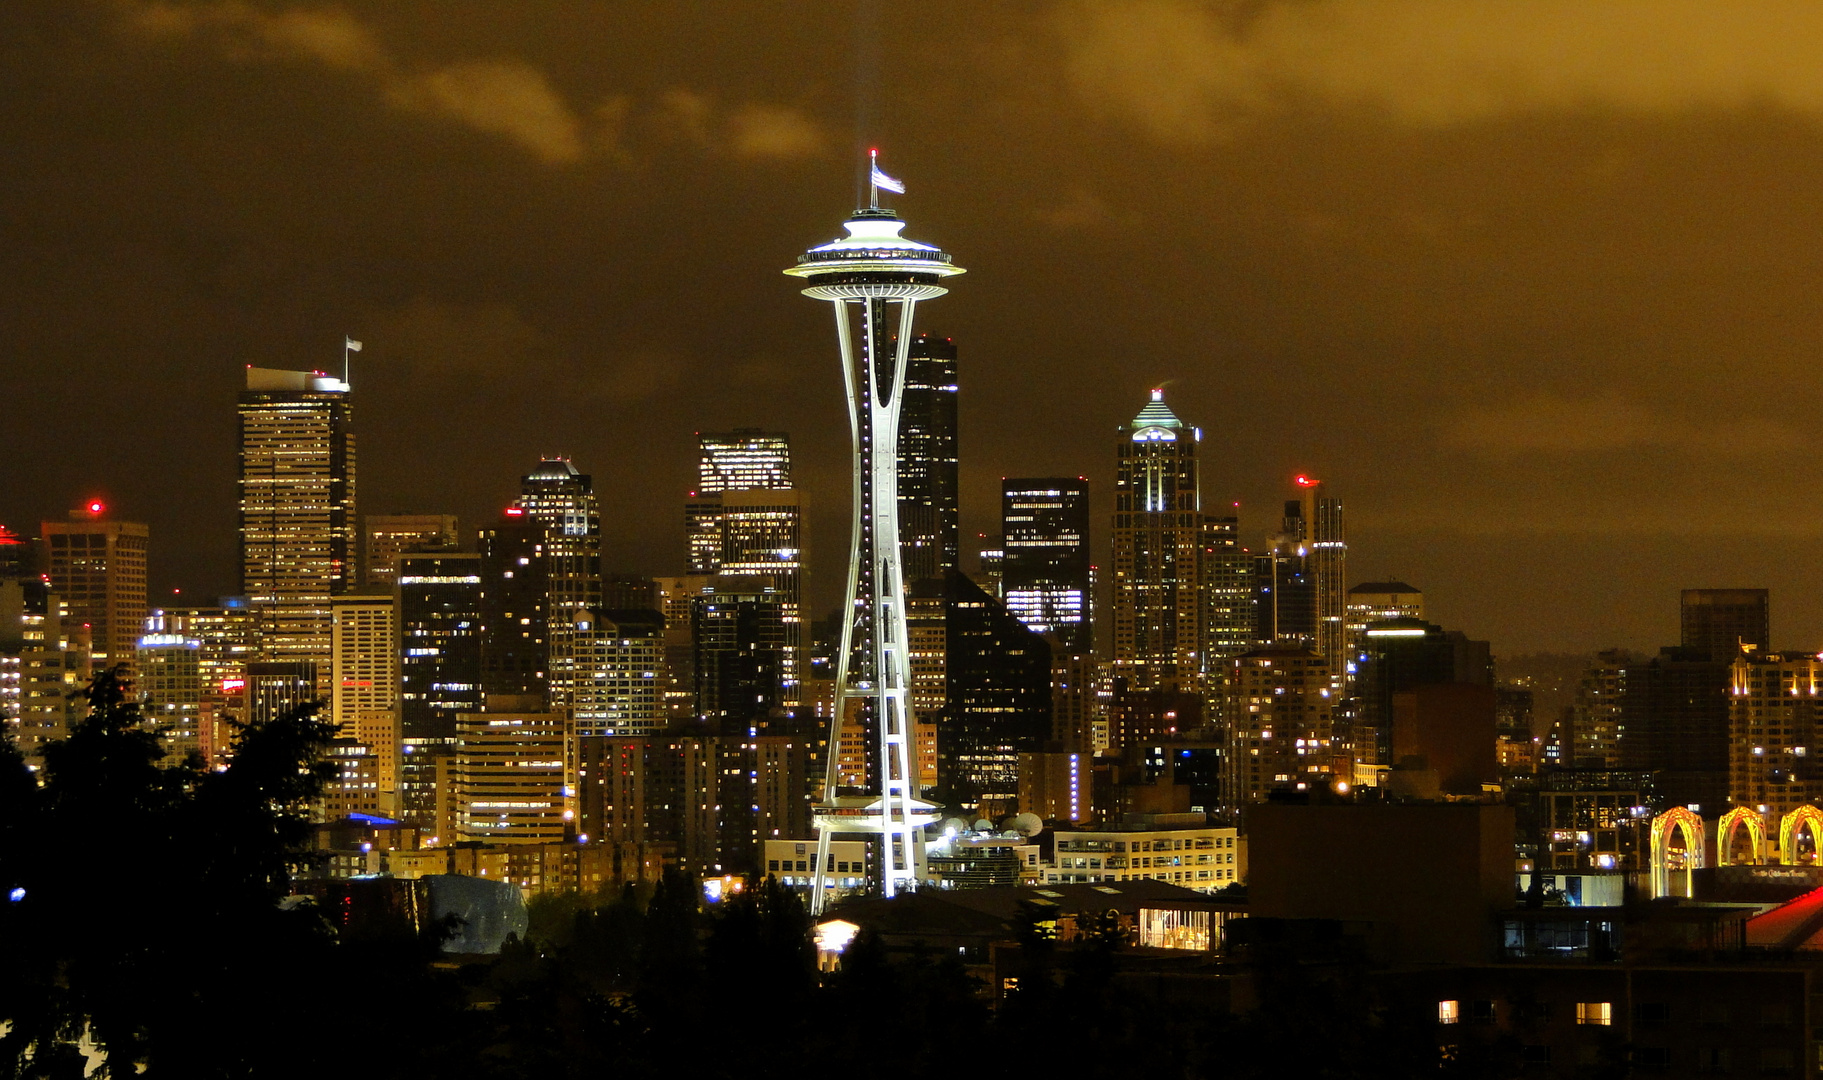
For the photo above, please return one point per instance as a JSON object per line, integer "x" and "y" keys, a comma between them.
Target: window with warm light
{"x": 1595, "y": 1012}
{"x": 1449, "y": 1012}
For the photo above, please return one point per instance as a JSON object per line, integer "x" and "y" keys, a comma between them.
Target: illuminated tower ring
{"x": 865, "y": 276}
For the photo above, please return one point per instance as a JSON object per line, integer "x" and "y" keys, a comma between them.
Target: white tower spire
{"x": 874, "y": 279}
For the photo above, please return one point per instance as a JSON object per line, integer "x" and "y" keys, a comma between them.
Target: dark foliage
{"x": 156, "y": 926}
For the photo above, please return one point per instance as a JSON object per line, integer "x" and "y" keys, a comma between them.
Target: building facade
{"x": 98, "y": 567}
{"x": 1045, "y": 568}
{"x": 297, "y": 510}
{"x": 1157, "y": 621}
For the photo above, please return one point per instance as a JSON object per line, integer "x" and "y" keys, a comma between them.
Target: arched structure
{"x": 1677, "y": 819}
{"x": 1724, "y": 834}
{"x": 1788, "y": 832}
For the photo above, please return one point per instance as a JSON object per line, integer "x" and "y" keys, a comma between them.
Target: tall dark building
{"x": 1401, "y": 655}
{"x": 439, "y": 669}
{"x": 515, "y": 594}
{"x": 1717, "y": 622}
{"x": 739, "y": 631}
{"x": 998, "y": 698}
{"x": 1045, "y": 569}
{"x": 929, "y": 520}
{"x": 1674, "y": 716}
{"x": 1285, "y": 584}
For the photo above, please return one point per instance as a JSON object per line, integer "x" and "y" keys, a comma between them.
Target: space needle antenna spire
{"x": 874, "y": 279}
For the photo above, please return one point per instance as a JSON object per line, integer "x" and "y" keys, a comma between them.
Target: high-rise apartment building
{"x": 98, "y": 567}
{"x": 1772, "y": 727}
{"x": 930, "y": 535}
{"x": 620, "y": 678}
{"x": 1717, "y": 623}
{"x": 1157, "y": 547}
{"x": 1045, "y": 571}
{"x": 385, "y": 538}
{"x": 44, "y": 663}
{"x": 297, "y": 510}
{"x": 1599, "y": 724}
{"x": 1227, "y": 587}
{"x": 1279, "y": 738}
{"x": 169, "y": 679}
{"x": 1327, "y": 542}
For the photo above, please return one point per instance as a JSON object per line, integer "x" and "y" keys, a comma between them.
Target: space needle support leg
{"x": 839, "y": 711}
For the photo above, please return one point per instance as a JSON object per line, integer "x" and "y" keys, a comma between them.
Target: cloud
{"x": 1547, "y": 425}
{"x": 1198, "y": 70}
{"x": 501, "y": 98}
{"x": 504, "y": 97}
{"x": 773, "y": 131}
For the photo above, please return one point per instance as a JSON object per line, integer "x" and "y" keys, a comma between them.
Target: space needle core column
{"x": 874, "y": 279}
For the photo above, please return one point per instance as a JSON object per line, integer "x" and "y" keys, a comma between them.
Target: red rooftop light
{"x": 514, "y": 511}
{"x": 1305, "y": 481}
{"x": 96, "y": 506}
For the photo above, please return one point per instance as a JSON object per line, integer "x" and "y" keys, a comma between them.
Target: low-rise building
{"x": 1183, "y": 849}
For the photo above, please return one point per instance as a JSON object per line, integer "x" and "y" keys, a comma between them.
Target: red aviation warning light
{"x": 96, "y": 506}
{"x": 1305, "y": 481}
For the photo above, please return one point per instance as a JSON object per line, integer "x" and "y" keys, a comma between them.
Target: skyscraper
{"x": 387, "y": 537}
{"x": 738, "y": 627}
{"x": 563, "y": 500}
{"x": 1718, "y": 622}
{"x": 98, "y": 566}
{"x": 364, "y": 695}
{"x": 744, "y": 519}
{"x": 1280, "y": 732}
{"x": 1284, "y": 584}
{"x": 297, "y": 510}
{"x": 515, "y": 599}
{"x": 440, "y": 625}
{"x": 1327, "y": 541}
{"x": 998, "y": 681}
{"x": 1045, "y": 571}
{"x": 1157, "y": 544}
{"x": 872, "y": 275}
{"x": 745, "y": 459}
{"x": 929, "y": 515}
{"x": 1228, "y": 607}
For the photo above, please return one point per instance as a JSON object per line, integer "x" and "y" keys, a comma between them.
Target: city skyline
{"x": 1503, "y": 330}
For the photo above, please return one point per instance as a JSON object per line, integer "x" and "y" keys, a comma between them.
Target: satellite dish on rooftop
{"x": 1026, "y": 824}
{"x": 984, "y": 825}
{"x": 955, "y": 825}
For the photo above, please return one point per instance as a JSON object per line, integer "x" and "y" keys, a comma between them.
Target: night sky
{"x": 1536, "y": 287}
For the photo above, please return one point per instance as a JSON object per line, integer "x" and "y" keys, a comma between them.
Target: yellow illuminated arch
{"x": 1681, "y": 820}
{"x": 1788, "y": 832}
{"x": 1724, "y": 834}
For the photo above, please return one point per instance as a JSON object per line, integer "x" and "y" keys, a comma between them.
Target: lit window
{"x": 1595, "y": 1012}
{"x": 1449, "y": 1012}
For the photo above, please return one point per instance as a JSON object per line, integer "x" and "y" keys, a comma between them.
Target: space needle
{"x": 874, "y": 279}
